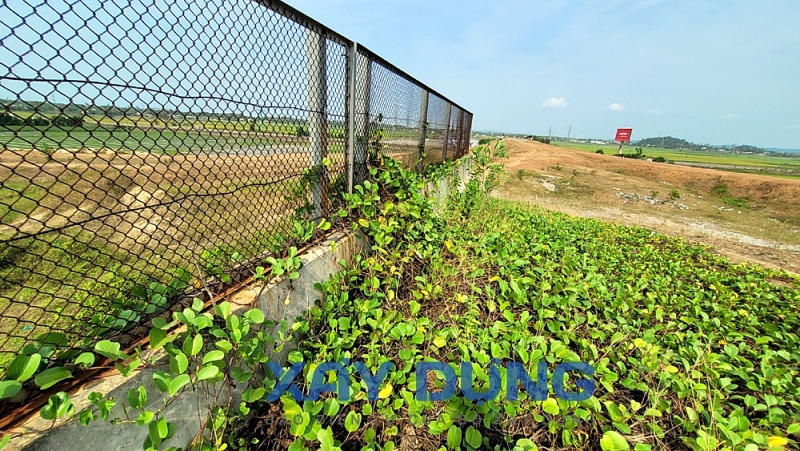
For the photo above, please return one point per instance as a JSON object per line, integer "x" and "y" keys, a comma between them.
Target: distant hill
{"x": 670, "y": 142}
{"x": 666, "y": 142}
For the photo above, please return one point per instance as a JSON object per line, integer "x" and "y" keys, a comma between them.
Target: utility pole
{"x": 569, "y": 132}
{"x": 550, "y": 133}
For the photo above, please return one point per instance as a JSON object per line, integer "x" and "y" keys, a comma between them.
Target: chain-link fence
{"x": 157, "y": 150}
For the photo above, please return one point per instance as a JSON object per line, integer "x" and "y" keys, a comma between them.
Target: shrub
{"x": 739, "y": 202}
{"x": 600, "y": 151}
{"x": 484, "y": 141}
{"x": 68, "y": 121}
{"x": 720, "y": 190}
{"x": 37, "y": 121}
{"x": 660, "y": 159}
{"x": 675, "y": 194}
{"x": 302, "y": 131}
{"x": 9, "y": 120}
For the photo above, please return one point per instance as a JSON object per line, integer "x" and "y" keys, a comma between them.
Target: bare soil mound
{"x": 758, "y": 188}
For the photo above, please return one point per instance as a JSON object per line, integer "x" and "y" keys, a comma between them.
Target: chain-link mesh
{"x": 154, "y": 148}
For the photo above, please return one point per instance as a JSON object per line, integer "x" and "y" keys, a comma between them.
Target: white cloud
{"x": 655, "y": 111}
{"x": 616, "y": 107}
{"x": 555, "y": 102}
{"x": 732, "y": 116}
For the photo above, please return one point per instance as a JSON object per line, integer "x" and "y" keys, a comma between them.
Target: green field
{"x": 690, "y": 156}
{"x": 136, "y": 139}
{"x": 157, "y": 141}
{"x": 264, "y": 126}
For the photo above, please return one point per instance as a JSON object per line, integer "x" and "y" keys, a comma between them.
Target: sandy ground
{"x": 764, "y": 229}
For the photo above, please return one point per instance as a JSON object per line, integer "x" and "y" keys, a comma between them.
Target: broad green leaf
{"x": 163, "y": 430}
{"x": 224, "y": 345}
{"x": 179, "y": 382}
{"x": 331, "y": 407}
{"x": 23, "y": 367}
{"x": 525, "y": 444}
{"x": 197, "y": 345}
{"x": 254, "y": 394}
{"x": 145, "y": 418}
{"x": 109, "y": 349}
{"x": 178, "y": 363}
{"x": 352, "y": 421}
{"x": 473, "y": 437}
{"x": 325, "y": 437}
{"x": 213, "y": 356}
{"x": 295, "y": 357}
{"x": 454, "y": 437}
{"x": 550, "y": 406}
{"x": 197, "y": 305}
{"x": 86, "y": 417}
{"x": 223, "y": 309}
{"x": 207, "y": 372}
{"x": 158, "y": 337}
{"x": 9, "y": 389}
{"x": 137, "y": 398}
{"x": 162, "y": 380}
{"x": 85, "y": 359}
{"x": 298, "y": 445}
{"x": 57, "y": 406}
{"x": 613, "y": 441}
{"x": 255, "y": 316}
{"x": 51, "y": 376}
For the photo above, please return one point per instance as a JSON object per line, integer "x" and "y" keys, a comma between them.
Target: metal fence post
{"x": 318, "y": 118}
{"x": 447, "y": 112}
{"x": 459, "y": 133}
{"x": 362, "y": 105}
{"x": 469, "y": 130}
{"x": 352, "y": 53}
{"x": 423, "y": 129}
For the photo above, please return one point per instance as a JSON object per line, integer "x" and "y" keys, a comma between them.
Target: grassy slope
{"x": 689, "y": 351}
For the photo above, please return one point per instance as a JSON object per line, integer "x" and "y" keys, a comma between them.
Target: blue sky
{"x": 720, "y": 72}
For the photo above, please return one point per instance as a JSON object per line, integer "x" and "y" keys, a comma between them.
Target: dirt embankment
{"x": 758, "y": 188}
{"x": 756, "y": 218}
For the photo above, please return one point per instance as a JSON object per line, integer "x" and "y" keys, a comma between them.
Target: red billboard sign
{"x": 623, "y": 135}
